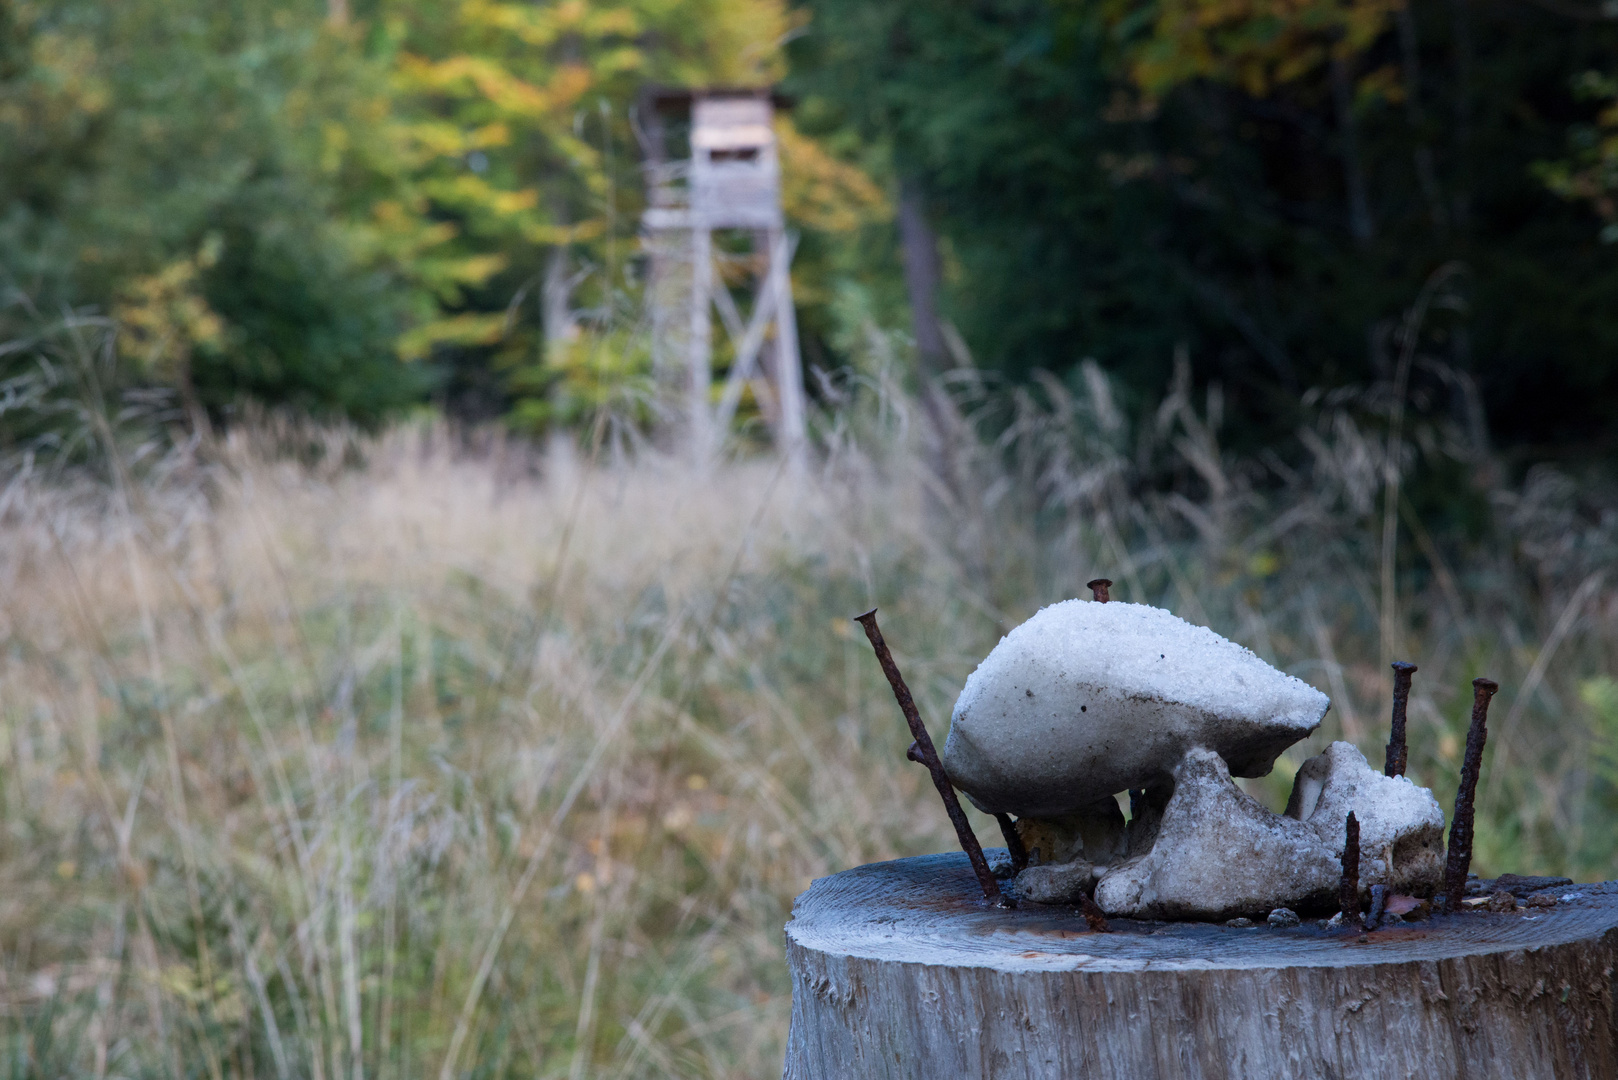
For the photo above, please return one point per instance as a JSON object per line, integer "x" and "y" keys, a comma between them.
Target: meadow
{"x": 440, "y": 753}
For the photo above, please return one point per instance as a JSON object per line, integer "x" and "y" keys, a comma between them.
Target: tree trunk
{"x": 944, "y": 434}
{"x": 900, "y": 970}
{"x": 918, "y": 247}
{"x": 556, "y": 303}
{"x": 1360, "y": 222}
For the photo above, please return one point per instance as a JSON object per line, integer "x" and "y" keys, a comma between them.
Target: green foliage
{"x": 1590, "y": 174}
{"x": 1600, "y": 697}
{"x": 1269, "y": 183}
{"x": 349, "y": 210}
{"x": 609, "y": 372}
{"x": 284, "y": 204}
{"x": 522, "y": 124}
{"x": 205, "y": 172}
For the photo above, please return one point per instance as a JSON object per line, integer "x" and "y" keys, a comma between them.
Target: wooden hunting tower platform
{"x": 712, "y": 168}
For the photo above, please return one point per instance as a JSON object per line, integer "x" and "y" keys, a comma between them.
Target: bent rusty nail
{"x": 929, "y": 757}
{"x": 1014, "y": 844}
{"x": 1348, "y": 889}
{"x": 1398, "y": 751}
{"x": 1093, "y": 914}
{"x": 1098, "y": 589}
{"x": 1458, "y": 859}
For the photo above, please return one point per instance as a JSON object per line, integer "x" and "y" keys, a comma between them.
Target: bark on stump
{"x": 900, "y": 970}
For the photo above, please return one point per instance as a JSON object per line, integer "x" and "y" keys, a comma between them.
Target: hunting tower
{"x": 713, "y": 223}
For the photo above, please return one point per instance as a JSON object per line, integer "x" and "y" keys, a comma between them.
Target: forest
{"x": 350, "y": 209}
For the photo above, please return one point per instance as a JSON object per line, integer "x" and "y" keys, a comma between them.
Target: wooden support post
{"x": 788, "y": 373}
{"x": 700, "y": 347}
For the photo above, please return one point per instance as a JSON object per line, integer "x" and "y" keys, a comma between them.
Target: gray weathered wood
{"x": 900, "y": 970}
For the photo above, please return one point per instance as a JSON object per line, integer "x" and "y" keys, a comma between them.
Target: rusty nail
{"x": 923, "y": 746}
{"x": 1458, "y": 859}
{"x": 1398, "y": 751}
{"x": 1379, "y": 903}
{"x": 1014, "y": 844}
{"x": 1098, "y": 589}
{"x": 1093, "y": 914}
{"x": 1348, "y": 889}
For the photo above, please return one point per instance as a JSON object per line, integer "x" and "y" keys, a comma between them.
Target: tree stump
{"x": 900, "y": 970}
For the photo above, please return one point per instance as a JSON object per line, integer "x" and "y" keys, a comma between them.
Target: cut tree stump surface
{"x": 900, "y": 969}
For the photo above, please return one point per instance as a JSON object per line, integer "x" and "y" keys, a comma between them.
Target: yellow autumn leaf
{"x": 473, "y": 328}
{"x": 820, "y": 191}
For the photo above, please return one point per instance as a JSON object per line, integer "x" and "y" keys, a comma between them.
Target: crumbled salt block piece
{"x": 1220, "y": 853}
{"x": 1401, "y": 825}
{"x": 1060, "y": 883}
{"x": 1402, "y": 905}
{"x": 1086, "y": 699}
{"x": 1282, "y": 918}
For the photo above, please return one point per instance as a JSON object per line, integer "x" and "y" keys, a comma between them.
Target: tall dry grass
{"x": 335, "y": 756}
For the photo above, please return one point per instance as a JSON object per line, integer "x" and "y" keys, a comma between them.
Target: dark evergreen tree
{"x": 1278, "y": 232}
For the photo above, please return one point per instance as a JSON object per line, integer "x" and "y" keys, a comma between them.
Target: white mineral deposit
{"x": 1218, "y": 852}
{"x": 1401, "y": 825}
{"x": 1086, "y": 700}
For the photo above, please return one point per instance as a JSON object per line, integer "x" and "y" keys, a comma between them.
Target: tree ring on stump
{"x": 899, "y": 969}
